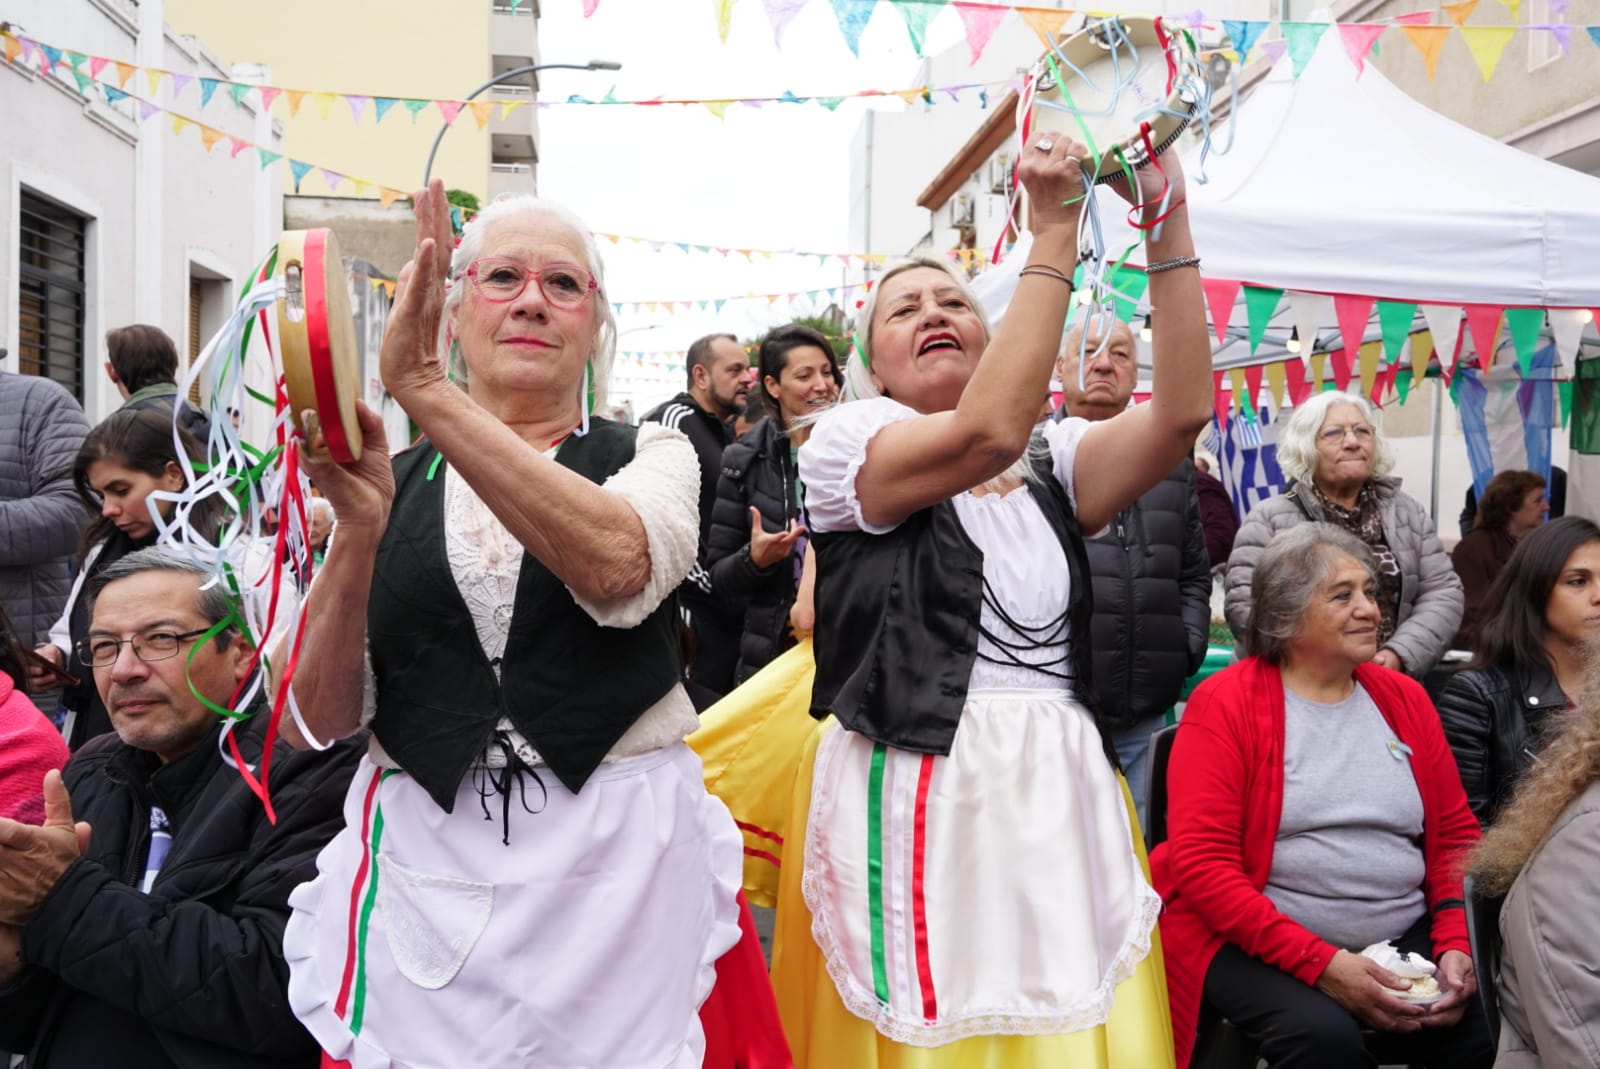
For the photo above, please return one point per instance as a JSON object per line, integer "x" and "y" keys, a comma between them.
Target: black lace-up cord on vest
{"x": 1036, "y": 637}
{"x": 489, "y": 782}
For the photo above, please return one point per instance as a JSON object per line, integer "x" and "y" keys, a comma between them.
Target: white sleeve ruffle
{"x": 832, "y": 458}
{"x": 662, "y": 485}
{"x": 1063, "y": 439}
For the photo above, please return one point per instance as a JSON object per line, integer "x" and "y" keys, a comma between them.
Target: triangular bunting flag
{"x": 83, "y": 79}
{"x": 1415, "y": 18}
{"x": 387, "y": 196}
{"x": 1128, "y": 285}
{"x": 449, "y": 109}
{"x": 1420, "y": 349}
{"x": 1276, "y": 380}
{"x": 1302, "y": 38}
{"x": 724, "y": 19}
{"x": 1403, "y": 381}
{"x": 1243, "y": 35}
{"x": 1043, "y": 21}
{"x": 979, "y": 20}
{"x": 1444, "y": 327}
{"x": 779, "y": 13}
{"x": 13, "y": 48}
{"x": 1394, "y": 320}
{"x": 1564, "y": 393}
{"x": 333, "y": 178}
{"x": 294, "y": 96}
{"x": 1525, "y": 325}
{"x": 180, "y": 82}
{"x": 719, "y": 108}
{"x": 1319, "y": 371}
{"x": 414, "y": 107}
{"x": 917, "y": 17}
{"x": 269, "y": 93}
{"x": 358, "y": 106}
{"x": 1242, "y": 401}
{"x": 1309, "y": 312}
{"x": 52, "y": 56}
{"x": 1357, "y": 38}
{"x": 1483, "y": 321}
{"x": 1295, "y": 375}
{"x": 1459, "y": 10}
{"x": 1561, "y": 32}
{"x": 1368, "y": 357}
{"x": 209, "y": 136}
{"x": 147, "y": 109}
{"x": 235, "y": 146}
{"x": 1273, "y": 50}
{"x": 324, "y": 102}
{"x": 381, "y": 106}
{"x": 481, "y": 110}
{"x": 1343, "y": 367}
{"x": 153, "y": 79}
{"x": 1566, "y": 326}
{"x": 237, "y": 90}
{"x": 1486, "y": 43}
{"x": 96, "y": 65}
{"x": 1219, "y": 399}
{"x": 1252, "y": 384}
{"x": 852, "y": 16}
{"x": 178, "y": 122}
{"x": 589, "y": 6}
{"x": 78, "y": 59}
{"x": 113, "y": 94}
{"x": 208, "y": 89}
{"x": 1352, "y": 314}
{"x": 1260, "y": 302}
{"x": 267, "y": 157}
{"x": 1594, "y": 34}
{"x": 1221, "y": 295}
{"x": 299, "y": 168}
{"x": 124, "y": 72}
{"x": 1428, "y": 40}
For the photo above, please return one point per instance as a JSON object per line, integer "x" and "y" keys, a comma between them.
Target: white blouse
{"x": 1023, "y": 563}
{"x": 662, "y": 485}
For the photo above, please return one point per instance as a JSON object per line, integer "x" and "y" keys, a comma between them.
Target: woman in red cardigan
{"x": 1314, "y": 810}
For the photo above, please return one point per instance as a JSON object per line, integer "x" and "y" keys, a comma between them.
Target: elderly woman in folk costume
{"x": 537, "y": 872}
{"x": 963, "y": 884}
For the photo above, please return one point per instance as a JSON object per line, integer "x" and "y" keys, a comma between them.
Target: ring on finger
{"x": 1044, "y": 144}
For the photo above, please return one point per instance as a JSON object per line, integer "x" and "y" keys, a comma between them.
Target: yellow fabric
{"x": 824, "y": 1035}
{"x": 751, "y": 744}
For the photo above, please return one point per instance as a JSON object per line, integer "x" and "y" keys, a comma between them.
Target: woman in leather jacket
{"x": 1528, "y": 661}
{"x": 757, "y": 542}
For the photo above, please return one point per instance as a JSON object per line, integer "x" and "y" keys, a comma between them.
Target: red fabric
{"x": 30, "y": 746}
{"x": 1225, "y": 797}
{"x": 740, "y": 1017}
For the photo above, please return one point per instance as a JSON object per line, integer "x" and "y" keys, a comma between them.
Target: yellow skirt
{"x": 824, "y": 1034}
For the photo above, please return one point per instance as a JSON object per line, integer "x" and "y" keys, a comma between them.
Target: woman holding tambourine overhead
{"x": 963, "y": 883}
{"x": 537, "y": 874}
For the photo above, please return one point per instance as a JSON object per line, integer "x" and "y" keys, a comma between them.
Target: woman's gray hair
{"x": 858, "y": 382}
{"x": 507, "y": 206}
{"x": 1297, "y": 442}
{"x": 1290, "y": 570}
{"x": 210, "y": 601}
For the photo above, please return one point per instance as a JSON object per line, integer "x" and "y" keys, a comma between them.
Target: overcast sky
{"x": 775, "y": 177}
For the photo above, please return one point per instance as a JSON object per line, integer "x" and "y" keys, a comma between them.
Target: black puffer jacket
{"x": 756, "y": 470}
{"x": 194, "y": 969}
{"x": 1152, "y": 601}
{"x": 1495, "y": 719}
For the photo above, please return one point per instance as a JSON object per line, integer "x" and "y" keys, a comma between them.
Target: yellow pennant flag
{"x": 324, "y": 102}
{"x": 724, "y": 19}
{"x": 481, "y": 110}
{"x": 1421, "y": 349}
{"x": 719, "y": 108}
{"x": 1319, "y": 370}
{"x": 1513, "y": 6}
{"x": 295, "y": 97}
{"x": 1459, "y": 10}
{"x": 1370, "y": 354}
{"x": 1044, "y": 21}
{"x": 178, "y": 123}
{"x": 154, "y": 79}
{"x": 209, "y": 136}
{"x": 1486, "y": 43}
{"x": 507, "y": 107}
{"x": 1428, "y": 40}
{"x": 1241, "y": 391}
{"x": 387, "y": 196}
{"x": 1277, "y": 382}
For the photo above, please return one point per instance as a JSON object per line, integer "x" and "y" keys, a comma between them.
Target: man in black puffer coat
{"x": 1152, "y": 578}
{"x": 153, "y": 937}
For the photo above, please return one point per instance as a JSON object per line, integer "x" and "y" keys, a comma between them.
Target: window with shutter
{"x": 51, "y": 292}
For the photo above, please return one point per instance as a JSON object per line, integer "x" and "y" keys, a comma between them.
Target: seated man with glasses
{"x": 142, "y": 924}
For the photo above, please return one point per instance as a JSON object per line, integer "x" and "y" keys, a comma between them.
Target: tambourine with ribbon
{"x": 317, "y": 338}
{"x": 1125, "y": 86}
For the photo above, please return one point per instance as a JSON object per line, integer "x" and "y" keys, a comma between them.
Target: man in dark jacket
{"x": 142, "y": 362}
{"x": 719, "y": 381}
{"x": 150, "y": 934}
{"x": 1152, "y": 578}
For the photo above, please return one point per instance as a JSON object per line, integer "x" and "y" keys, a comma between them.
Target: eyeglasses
{"x": 154, "y": 646}
{"x": 1336, "y": 435}
{"x": 563, "y": 285}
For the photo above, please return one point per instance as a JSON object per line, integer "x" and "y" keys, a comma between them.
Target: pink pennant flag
{"x": 1483, "y": 320}
{"x": 268, "y": 95}
{"x": 979, "y": 20}
{"x": 96, "y": 65}
{"x": 235, "y": 146}
{"x": 449, "y": 109}
{"x": 1252, "y": 382}
{"x": 1220, "y": 399}
{"x": 1340, "y": 359}
{"x": 1352, "y": 314}
{"x": 1358, "y": 38}
{"x": 589, "y": 6}
{"x": 1299, "y": 388}
{"x": 1415, "y": 18}
{"x": 1221, "y": 295}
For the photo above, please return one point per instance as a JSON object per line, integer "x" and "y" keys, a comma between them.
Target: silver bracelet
{"x": 1172, "y": 264}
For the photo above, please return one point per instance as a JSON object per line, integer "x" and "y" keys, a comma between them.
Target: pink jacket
{"x": 29, "y": 747}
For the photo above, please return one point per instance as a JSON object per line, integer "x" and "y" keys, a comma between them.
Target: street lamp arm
{"x": 532, "y": 68}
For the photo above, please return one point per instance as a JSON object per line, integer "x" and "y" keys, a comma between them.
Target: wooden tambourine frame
{"x": 1153, "y": 106}
{"x": 317, "y": 339}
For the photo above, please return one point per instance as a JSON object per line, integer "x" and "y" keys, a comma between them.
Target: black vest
{"x": 897, "y": 621}
{"x": 570, "y": 686}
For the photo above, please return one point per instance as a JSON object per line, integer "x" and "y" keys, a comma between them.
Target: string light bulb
{"x": 1587, "y": 316}
{"x": 1293, "y": 344}
{"x": 1145, "y": 333}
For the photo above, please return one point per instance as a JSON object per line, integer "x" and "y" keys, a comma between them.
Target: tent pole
{"x": 1438, "y": 419}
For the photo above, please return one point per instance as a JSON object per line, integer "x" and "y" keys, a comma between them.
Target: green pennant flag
{"x": 1524, "y": 325}
{"x": 1259, "y": 304}
{"x": 1129, "y": 284}
{"x": 414, "y": 106}
{"x": 237, "y": 90}
{"x": 1394, "y": 319}
{"x": 917, "y": 17}
{"x": 1402, "y": 383}
{"x": 76, "y": 59}
{"x": 1585, "y": 407}
{"x": 1564, "y": 392}
{"x": 1302, "y": 38}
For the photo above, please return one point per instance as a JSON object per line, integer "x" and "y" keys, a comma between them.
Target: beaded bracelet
{"x": 1172, "y": 264}
{"x": 1048, "y": 272}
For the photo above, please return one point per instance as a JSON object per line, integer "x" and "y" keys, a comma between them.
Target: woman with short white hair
{"x": 1338, "y": 463}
